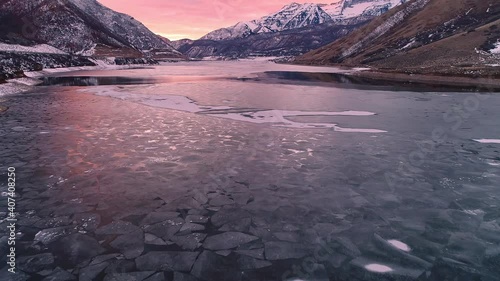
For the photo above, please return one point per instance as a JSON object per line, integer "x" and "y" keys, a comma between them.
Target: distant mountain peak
{"x": 291, "y": 5}
{"x": 296, "y": 15}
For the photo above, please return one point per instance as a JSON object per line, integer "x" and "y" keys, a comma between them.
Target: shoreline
{"x": 29, "y": 79}
{"x": 492, "y": 84}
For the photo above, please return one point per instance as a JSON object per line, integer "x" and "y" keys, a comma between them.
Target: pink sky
{"x": 195, "y": 18}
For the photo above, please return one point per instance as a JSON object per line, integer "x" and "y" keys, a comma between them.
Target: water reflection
{"x": 94, "y": 81}
{"x": 357, "y": 82}
{"x": 337, "y": 80}
{"x": 119, "y": 80}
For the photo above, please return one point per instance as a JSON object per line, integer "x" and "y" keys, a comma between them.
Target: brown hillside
{"x": 434, "y": 34}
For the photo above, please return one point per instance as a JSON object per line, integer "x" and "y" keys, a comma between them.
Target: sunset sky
{"x": 195, "y": 18}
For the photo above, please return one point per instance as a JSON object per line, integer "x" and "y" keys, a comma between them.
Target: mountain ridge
{"x": 83, "y": 27}
{"x": 295, "y": 15}
{"x": 419, "y": 37}
{"x": 289, "y": 27}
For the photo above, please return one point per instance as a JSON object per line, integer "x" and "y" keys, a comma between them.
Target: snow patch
{"x": 16, "y": 86}
{"x": 496, "y": 49}
{"x": 493, "y": 163}
{"x": 409, "y": 45}
{"x": 379, "y": 268}
{"x": 297, "y": 15}
{"x": 42, "y": 49}
{"x": 89, "y": 52}
{"x": 386, "y": 26}
{"x": 496, "y": 141}
{"x": 25, "y": 81}
{"x": 475, "y": 212}
{"x": 400, "y": 245}
{"x": 13, "y": 88}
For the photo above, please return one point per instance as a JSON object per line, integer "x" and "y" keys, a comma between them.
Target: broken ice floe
{"x": 252, "y": 115}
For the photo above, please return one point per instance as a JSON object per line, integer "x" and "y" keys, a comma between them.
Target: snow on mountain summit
{"x": 291, "y": 16}
{"x": 295, "y": 15}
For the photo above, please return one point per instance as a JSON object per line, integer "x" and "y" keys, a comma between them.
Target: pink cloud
{"x": 195, "y": 18}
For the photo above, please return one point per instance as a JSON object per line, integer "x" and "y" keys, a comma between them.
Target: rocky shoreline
{"x": 485, "y": 77}
{"x": 490, "y": 81}
{"x": 14, "y": 65}
{"x": 15, "y": 68}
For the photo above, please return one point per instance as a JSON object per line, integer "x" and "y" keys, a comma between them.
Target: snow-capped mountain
{"x": 82, "y": 27}
{"x": 346, "y": 9}
{"x": 422, "y": 37}
{"x": 295, "y": 16}
{"x": 289, "y": 17}
{"x": 177, "y": 43}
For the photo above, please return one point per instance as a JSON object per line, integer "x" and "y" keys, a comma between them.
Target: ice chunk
{"x": 153, "y": 239}
{"x": 189, "y": 242}
{"x": 60, "y": 274}
{"x": 117, "y": 227}
{"x": 77, "y": 248}
{"x": 131, "y": 245}
{"x": 160, "y": 276}
{"x": 35, "y": 263}
{"x": 255, "y": 253}
{"x": 166, "y": 261}
{"x": 189, "y": 227}
{"x": 103, "y": 258}
{"x": 227, "y": 240}
{"x": 227, "y": 215}
{"x": 196, "y": 219}
{"x": 130, "y": 276}
{"x": 47, "y": 236}
{"x": 157, "y": 217}
{"x": 89, "y": 273}
{"x": 166, "y": 229}
{"x": 210, "y": 266}
{"x": 178, "y": 276}
{"x": 238, "y": 225}
{"x": 285, "y": 250}
{"x": 249, "y": 263}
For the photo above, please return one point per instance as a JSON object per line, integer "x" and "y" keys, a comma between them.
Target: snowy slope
{"x": 295, "y": 16}
{"x": 291, "y": 16}
{"x": 346, "y": 9}
{"x": 421, "y": 37}
{"x": 75, "y": 26}
{"x": 333, "y": 9}
{"x": 40, "y": 49}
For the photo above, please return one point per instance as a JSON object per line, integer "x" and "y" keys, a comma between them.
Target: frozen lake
{"x": 252, "y": 171}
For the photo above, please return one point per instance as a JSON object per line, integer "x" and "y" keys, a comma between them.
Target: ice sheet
{"x": 260, "y": 116}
